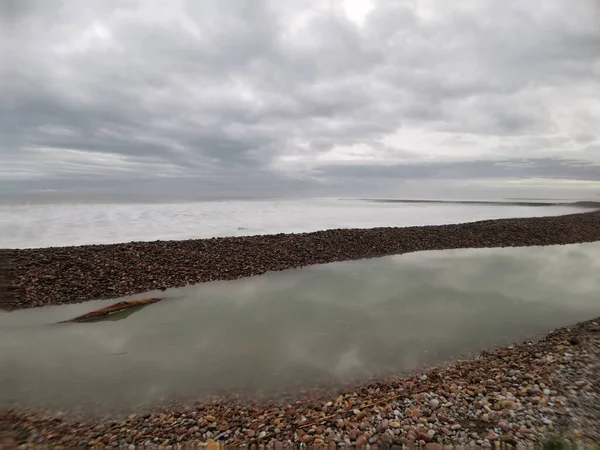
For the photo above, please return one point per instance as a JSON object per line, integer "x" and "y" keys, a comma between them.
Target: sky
{"x": 275, "y": 98}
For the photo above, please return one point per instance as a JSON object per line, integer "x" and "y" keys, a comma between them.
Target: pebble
{"x": 361, "y": 441}
{"x": 45, "y": 276}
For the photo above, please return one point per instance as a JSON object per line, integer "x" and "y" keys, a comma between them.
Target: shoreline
{"x": 519, "y": 394}
{"x": 62, "y": 275}
{"x": 522, "y": 393}
{"x": 507, "y": 202}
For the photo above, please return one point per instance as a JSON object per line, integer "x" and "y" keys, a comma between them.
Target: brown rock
{"x": 413, "y": 412}
{"x": 433, "y": 446}
{"x": 424, "y": 437}
{"x": 387, "y": 438}
{"x": 507, "y": 439}
{"x": 503, "y": 425}
{"x": 361, "y": 442}
{"x": 509, "y": 405}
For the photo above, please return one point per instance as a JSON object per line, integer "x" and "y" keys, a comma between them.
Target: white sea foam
{"x": 49, "y": 225}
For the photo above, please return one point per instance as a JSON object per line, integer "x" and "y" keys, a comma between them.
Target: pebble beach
{"x": 530, "y": 393}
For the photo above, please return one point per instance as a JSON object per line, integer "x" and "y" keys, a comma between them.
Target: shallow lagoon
{"x": 296, "y": 329}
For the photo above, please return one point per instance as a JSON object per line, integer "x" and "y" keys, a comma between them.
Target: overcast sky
{"x": 299, "y": 97}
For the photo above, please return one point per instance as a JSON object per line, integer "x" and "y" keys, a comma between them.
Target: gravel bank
{"x": 524, "y": 393}
{"x": 5, "y": 278}
{"x": 73, "y": 274}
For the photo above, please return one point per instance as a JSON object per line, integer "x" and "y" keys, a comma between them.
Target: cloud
{"x": 296, "y": 97}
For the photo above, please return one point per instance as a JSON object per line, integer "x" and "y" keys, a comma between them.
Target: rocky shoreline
{"x": 518, "y": 395}
{"x": 46, "y": 276}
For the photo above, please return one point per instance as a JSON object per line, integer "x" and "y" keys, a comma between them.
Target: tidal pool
{"x": 296, "y": 329}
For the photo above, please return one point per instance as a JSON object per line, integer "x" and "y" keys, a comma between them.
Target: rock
{"x": 508, "y": 405}
{"x": 424, "y": 437}
{"x": 507, "y": 439}
{"x": 433, "y": 446}
{"x": 394, "y": 424}
{"x": 383, "y": 426}
{"x": 386, "y": 438}
{"x": 413, "y": 411}
{"x": 434, "y": 403}
{"x": 361, "y": 442}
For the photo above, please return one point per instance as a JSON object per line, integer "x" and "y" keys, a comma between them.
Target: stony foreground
{"x": 526, "y": 393}
{"x": 36, "y": 277}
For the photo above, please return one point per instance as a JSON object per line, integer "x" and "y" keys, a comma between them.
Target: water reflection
{"x": 293, "y": 329}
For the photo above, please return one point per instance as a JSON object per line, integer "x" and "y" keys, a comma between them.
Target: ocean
{"x": 45, "y": 224}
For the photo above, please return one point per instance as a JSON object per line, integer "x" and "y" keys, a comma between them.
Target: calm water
{"x": 47, "y": 225}
{"x": 298, "y": 328}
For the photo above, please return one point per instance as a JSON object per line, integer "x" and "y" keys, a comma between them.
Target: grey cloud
{"x": 217, "y": 94}
{"x": 517, "y": 168}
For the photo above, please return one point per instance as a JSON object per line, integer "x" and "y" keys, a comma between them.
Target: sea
{"x": 34, "y": 224}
